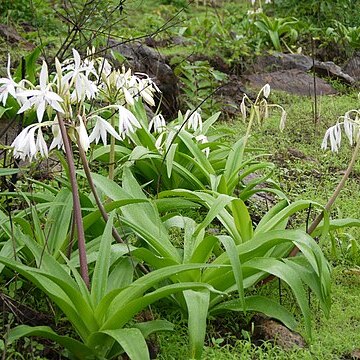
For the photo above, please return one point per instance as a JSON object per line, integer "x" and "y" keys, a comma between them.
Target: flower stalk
{"x": 76, "y": 202}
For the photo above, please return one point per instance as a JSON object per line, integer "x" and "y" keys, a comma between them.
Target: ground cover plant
{"x": 147, "y": 208}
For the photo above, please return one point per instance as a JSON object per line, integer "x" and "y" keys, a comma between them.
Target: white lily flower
{"x": 193, "y": 119}
{"x": 84, "y": 87}
{"x": 127, "y": 122}
{"x": 101, "y": 128}
{"x": 283, "y": 120}
{"x": 158, "y": 123}
{"x": 7, "y": 85}
{"x": 41, "y": 98}
{"x": 159, "y": 143}
{"x": 333, "y": 134}
{"x": 128, "y": 98}
{"x": 41, "y": 144}
{"x": 202, "y": 139}
{"x": 266, "y": 90}
{"x": 83, "y": 135}
{"x": 243, "y": 107}
{"x": 57, "y": 140}
{"x": 25, "y": 145}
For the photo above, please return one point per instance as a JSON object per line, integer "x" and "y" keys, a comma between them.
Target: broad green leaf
{"x": 76, "y": 348}
{"x": 58, "y": 221}
{"x": 7, "y": 172}
{"x": 261, "y": 304}
{"x": 286, "y": 273}
{"x": 149, "y": 327}
{"x": 102, "y": 266}
{"x": 197, "y": 304}
{"x": 233, "y": 255}
{"x": 242, "y": 219}
{"x": 170, "y": 159}
{"x": 132, "y": 341}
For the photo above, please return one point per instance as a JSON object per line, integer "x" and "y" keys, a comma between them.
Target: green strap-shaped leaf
{"x": 76, "y": 348}
{"x": 102, "y": 266}
{"x": 233, "y": 255}
{"x": 261, "y": 304}
{"x": 132, "y": 341}
{"x": 198, "y": 304}
{"x": 242, "y": 219}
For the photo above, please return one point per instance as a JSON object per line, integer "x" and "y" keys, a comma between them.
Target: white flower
{"x": 266, "y": 90}
{"x": 202, "y": 139}
{"x": 42, "y": 97}
{"x": 84, "y": 141}
{"x": 41, "y": 144}
{"x": 243, "y": 107}
{"x": 8, "y": 85}
{"x": 25, "y": 145}
{"x": 193, "y": 119}
{"x": 158, "y": 123}
{"x": 101, "y": 128}
{"x": 283, "y": 120}
{"x": 333, "y": 134}
{"x": 128, "y": 98}
{"x": 147, "y": 88}
{"x": 127, "y": 122}
{"x": 78, "y": 76}
{"x": 57, "y": 140}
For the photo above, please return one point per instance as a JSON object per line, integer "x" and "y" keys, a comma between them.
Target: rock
{"x": 279, "y": 61}
{"x": 293, "y": 81}
{"x": 142, "y": 58}
{"x": 333, "y": 71}
{"x": 11, "y": 35}
{"x": 353, "y": 67}
{"x": 353, "y": 355}
{"x": 266, "y": 329}
{"x": 230, "y": 96}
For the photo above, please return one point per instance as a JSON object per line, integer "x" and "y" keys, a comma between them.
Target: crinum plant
{"x": 64, "y": 102}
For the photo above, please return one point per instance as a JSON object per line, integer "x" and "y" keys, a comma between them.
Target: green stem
{"x": 76, "y": 202}
{"x": 99, "y": 204}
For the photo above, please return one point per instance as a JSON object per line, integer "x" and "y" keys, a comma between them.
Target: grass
{"x": 304, "y": 170}
{"x": 333, "y": 338}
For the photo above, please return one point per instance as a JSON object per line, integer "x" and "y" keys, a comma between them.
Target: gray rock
{"x": 279, "y": 61}
{"x": 293, "y": 81}
{"x": 333, "y": 71}
{"x": 12, "y": 36}
{"x": 353, "y": 67}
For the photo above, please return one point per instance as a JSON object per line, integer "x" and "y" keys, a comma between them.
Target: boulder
{"x": 332, "y": 71}
{"x": 353, "y": 67}
{"x": 279, "y": 61}
{"x": 293, "y": 81}
{"x": 141, "y": 58}
{"x": 266, "y": 329}
{"x": 12, "y": 36}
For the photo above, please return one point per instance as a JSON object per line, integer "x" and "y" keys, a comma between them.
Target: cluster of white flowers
{"x": 259, "y": 9}
{"x": 261, "y": 106}
{"x": 351, "y": 126}
{"x": 65, "y": 93}
{"x": 191, "y": 120}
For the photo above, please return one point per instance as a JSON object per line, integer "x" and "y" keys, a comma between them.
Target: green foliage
{"x": 251, "y": 254}
{"x": 99, "y": 314}
{"x": 200, "y": 82}
{"x": 278, "y": 31}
